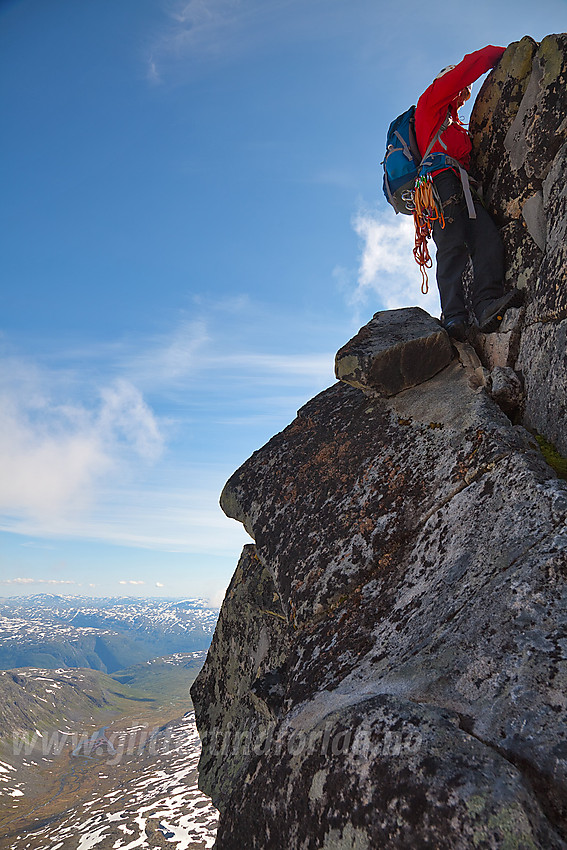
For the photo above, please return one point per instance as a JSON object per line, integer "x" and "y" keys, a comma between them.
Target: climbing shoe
{"x": 457, "y": 329}
{"x": 490, "y": 318}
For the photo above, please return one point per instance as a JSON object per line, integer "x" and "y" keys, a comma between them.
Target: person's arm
{"x": 446, "y": 88}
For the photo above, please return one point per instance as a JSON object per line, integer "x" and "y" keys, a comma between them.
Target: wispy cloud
{"x": 196, "y": 16}
{"x": 339, "y": 178}
{"x": 277, "y": 369}
{"x": 195, "y": 30}
{"x": 214, "y": 30}
{"x": 387, "y": 272}
{"x": 125, "y": 417}
{"x": 195, "y": 349}
{"x": 152, "y": 72}
{"x": 169, "y": 520}
{"x": 126, "y": 462}
{"x": 26, "y": 581}
{"x": 171, "y": 357}
{"x": 131, "y": 582}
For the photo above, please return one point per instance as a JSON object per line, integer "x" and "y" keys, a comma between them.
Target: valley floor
{"x": 139, "y": 789}
{"x": 123, "y": 777}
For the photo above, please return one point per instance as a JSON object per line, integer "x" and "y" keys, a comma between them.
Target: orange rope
{"x": 426, "y": 212}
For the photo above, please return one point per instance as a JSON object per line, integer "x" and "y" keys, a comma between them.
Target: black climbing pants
{"x": 461, "y": 238}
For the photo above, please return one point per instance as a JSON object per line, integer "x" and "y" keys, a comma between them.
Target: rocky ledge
{"x": 388, "y": 669}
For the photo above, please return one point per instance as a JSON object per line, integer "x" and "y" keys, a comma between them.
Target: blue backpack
{"x": 403, "y": 161}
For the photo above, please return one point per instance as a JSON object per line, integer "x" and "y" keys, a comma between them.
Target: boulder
{"x": 506, "y": 389}
{"x": 386, "y": 772}
{"x": 417, "y": 547}
{"x": 396, "y": 350}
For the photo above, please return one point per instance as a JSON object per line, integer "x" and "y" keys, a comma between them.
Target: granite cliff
{"x": 388, "y": 668}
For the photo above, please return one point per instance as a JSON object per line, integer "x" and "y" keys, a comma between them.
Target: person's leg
{"x": 490, "y": 300}
{"x": 452, "y": 248}
{"x": 487, "y": 254}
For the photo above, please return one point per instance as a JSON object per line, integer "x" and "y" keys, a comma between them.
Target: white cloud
{"x": 159, "y": 584}
{"x": 54, "y": 453}
{"x": 217, "y": 597}
{"x": 35, "y": 581}
{"x": 125, "y": 415}
{"x": 387, "y": 271}
{"x": 42, "y": 468}
{"x": 387, "y": 246}
{"x": 132, "y": 582}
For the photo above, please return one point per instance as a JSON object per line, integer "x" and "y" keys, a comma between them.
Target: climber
{"x": 469, "y": 230}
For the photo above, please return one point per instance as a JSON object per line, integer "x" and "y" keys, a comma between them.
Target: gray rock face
{"x": 240, "y": 689}
{"x": 386, "y": 772}
{"x": 543, "y": 363}
{"x": 418, "y": 546}
{"x": 501, "y": 348}
{"x": 534, "y": 215}
{"x": 390, "y": 664}
{"x": 519, "y": 129}
{"x": 396, "y": 350}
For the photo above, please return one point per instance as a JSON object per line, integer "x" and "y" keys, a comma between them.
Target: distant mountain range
{"x": 106, "y": 634}
{"x": 40, "y": 700}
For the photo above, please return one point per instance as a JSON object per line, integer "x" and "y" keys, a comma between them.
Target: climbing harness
{"x": 427, "y": 209}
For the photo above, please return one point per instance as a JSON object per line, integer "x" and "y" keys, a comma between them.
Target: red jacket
{"x": 433, "y": 104}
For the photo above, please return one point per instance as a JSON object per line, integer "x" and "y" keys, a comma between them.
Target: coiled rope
{"x": 427, "y": 209}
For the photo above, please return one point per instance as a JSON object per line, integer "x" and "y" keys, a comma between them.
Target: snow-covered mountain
{"x": 105, "y": 634}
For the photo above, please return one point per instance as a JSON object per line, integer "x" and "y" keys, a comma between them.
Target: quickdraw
{"x": 427, "y": 209}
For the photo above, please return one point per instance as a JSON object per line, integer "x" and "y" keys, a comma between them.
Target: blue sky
{"x": 192, "y": 224}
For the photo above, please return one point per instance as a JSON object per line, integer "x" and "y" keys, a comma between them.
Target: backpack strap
{"x": 437, "y": 137}
{"x": 466, "y": 185}
{"x": 453, "y": 162}
{"x": 405, "y": 149}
